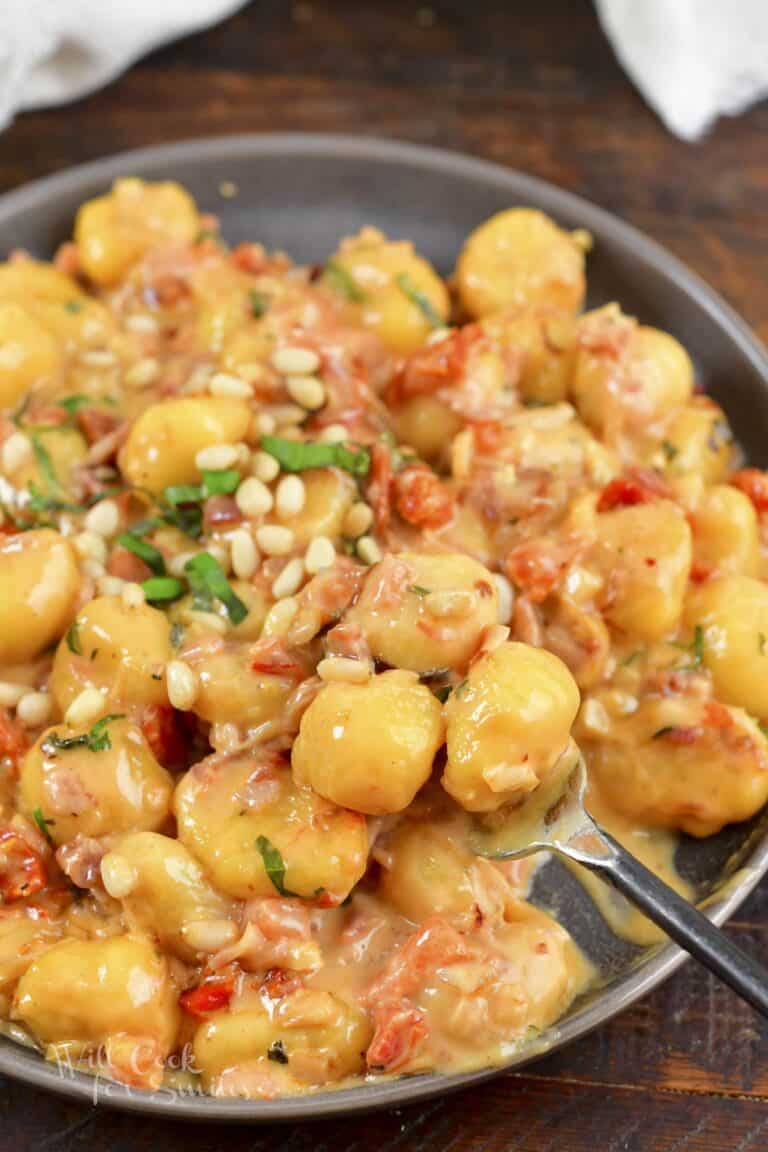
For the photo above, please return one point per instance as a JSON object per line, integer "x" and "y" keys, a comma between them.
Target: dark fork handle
{"x": 681, "y": 921}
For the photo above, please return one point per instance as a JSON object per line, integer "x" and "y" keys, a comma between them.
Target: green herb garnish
{"x": 73, "y": 638}
{"x": 443, "y": 692}
{"x": 221, "y": 482}
{"x": 259, "y": 303}
{"x": 42, "y": 823}
{"x": 294, "y": 456}
{"x": 340, "y": 280}
{"x": 74, "y": 305}
{"x": 147, "y": 552}
{"x": 461, "y": 688}
{"x": 96, "y": 739}
{"x": 418, "y": 590}
{"x": 177, "y": 634}
{"x": 207, "y": 582}
{"x": 420, "y": 299}
{"x": 669, "y": 450}
{"x": 183, "y": 494}
{"x": 162, "y": 589}
{"x": 45, "y": 465}
{"x": 274, "y": 865}
{"x": 277, "y": 1052}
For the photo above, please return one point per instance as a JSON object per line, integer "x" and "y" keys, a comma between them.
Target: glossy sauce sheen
{"x": 302, "y": 571}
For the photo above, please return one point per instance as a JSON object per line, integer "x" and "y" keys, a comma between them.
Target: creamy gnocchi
{"x": 302, "y": 570}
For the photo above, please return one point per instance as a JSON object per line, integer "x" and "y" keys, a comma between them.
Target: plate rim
{"x": 26, "y": 1064}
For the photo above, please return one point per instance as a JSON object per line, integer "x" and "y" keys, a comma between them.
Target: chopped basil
{"x": 418, "y": 590}
{"x": 73, "y": 638}
{"x": 259, "y": 303}
{"x": 74, "y": 305}
{"x": 45, "y": 465}
{"x": 221, "y": 482}
{"x": 207, "y": 582}
{"x": 420, "y": 299}
{"x": 669, "y": 449}
{"x": 162, "y": 589}
{"x": 277, "y": 1052}
{"x": 461, "y": 688}
{"x": 42, "y": 823}
{"x": 442, "y": 692}
{"x": 96, "y": 739}
{"x": 340, "y": 280}
{"x": 274, "y": 865}
{"x": 183, "y": 494}
{"x": 147, "y": 552}
{"x": 294, "y": 456}
{"x": 40, "y": 503}
{"x": 177, "y": 634}
{"x": 632, "y": 657}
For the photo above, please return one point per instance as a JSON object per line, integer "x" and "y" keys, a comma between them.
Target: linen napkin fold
{"x": 693, "y": 60}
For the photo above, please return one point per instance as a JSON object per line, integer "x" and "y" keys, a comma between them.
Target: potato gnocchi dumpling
{"x": 521, "y": 257}
{"x": 302, "y": 571}
{"x": 424, "y": 612}
{"x": 333, "y": 753}
{"x": 258, "y": 834}
{"x": 95, "y": 782}
{"x": 506, "y": 725}
{"x": 82, "y": 994}
{"x": 39, "y": 584}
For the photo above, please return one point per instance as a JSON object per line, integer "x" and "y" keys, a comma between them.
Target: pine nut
{"x": 253, "y": 498}
{"x": 216, "y": 457}
{"x": 320, "y": 554}
{"x": 289, "y": 580}
{"x": 89, "y": 546}
{"x": 177, "y": 563}
{"x": 221, "y": 554}
{"x": 451, "y": 603}
{"x": 358, "y": 520}
{"x": 295, "y": 361}
{"x": 291, "y": 496}
{"x": 10, "y": 694}
{"x": 85, "y": 708}
{"x": 225, "y": 384}
{"x": 209, "y": 935}
{"x": 92, "y": 568}
{"x": 280, "y": 617}
{"x": 98, "y": 358}
{"x": 197, "y": 381}
{"x": 34, "y": 709}
{"x": 117, "y": 875}
{"x": 462, "y": 452}
{"x": 344, "y": 670}
{"x": 287, "y": 414}
{"x": 182, "y": 684}
{"x": 505, "y": 598}
{"x": 15, "y": 453}
{"x": 334, "y": 434}
{"x": 263, "y": 424}
{"x": 264, "y": 467}
{"x": 437, "y": 335}
{"x": 368, "y": 550}
{"x": 307, "y": 391}
{"x": 245, "y": 558}
{"x": 274, "y": 540}
{"x": 493, "y": 637}
{"x": 142, "y": 372}
{"x": 132, "y": 596}
{"x": 141, "y": 322}
{"x": 595, "y": 718}
{"x": 209, "y": 621}
{"x": 103, "y": 518}
{"x": 109, "y": 585}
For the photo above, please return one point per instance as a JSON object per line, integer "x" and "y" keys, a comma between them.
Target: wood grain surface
{"x": 534, "y": 86}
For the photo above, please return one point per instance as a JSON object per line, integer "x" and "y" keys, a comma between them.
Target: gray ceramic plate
{"x": 301, "y": 193}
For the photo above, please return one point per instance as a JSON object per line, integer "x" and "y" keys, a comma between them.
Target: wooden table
{"x": 534, "y": 86}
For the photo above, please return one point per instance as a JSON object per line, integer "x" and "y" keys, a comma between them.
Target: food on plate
{"x": 302, "y": 569}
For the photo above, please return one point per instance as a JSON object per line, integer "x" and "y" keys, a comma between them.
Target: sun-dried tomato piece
{"x": 754, "y": 484}
{"x": 210, "y": 996}
{"x": 422, "y": 499}
{"x": 637, "y": 486}
{"x": 22, "y": 870}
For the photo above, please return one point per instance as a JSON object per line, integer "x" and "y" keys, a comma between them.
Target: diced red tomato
{"x": 538, "y": 566}
{"x": 399, "y": 1029}
{"x": 380, "y": 487}
{"x": 210, "y": 996}
{"x": 487, "y": 435}
{"x": 13, "y": 739}
{"x": 95, "y": 423}
{"x": 164, "y": 731}
{"x": 436, "y": 366}
{"x": 127, "y": 565}
{"x": 22, "y": 870}
{"x": 637, "y": 486}
{"x": 754, "y": 484}
{"x": 422, "y": 499}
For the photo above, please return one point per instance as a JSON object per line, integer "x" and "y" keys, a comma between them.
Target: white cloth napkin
{"x": 54, "y": 51}
{"x": 693, "y": 60}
